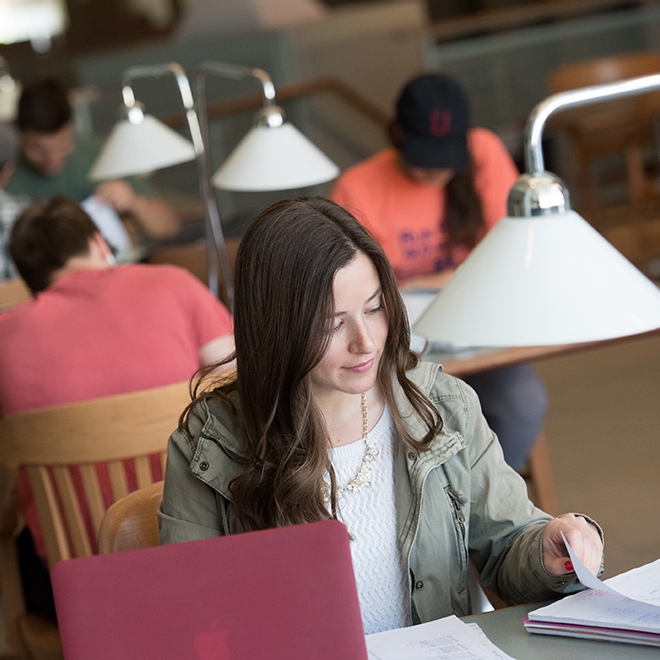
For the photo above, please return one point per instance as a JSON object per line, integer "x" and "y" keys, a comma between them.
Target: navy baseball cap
{"x": 434, "y": 115}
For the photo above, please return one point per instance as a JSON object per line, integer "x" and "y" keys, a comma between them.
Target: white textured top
{"x": 370, "y": 517}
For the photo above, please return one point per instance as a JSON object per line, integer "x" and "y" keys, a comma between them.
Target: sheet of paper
{"x": 109, "y": 223}
{"x": 641, "y": 584}
{"x": 444, "y": 639}
{"x": 593, "y": 632}
{"x": 416, "y": 301}
{"x": 628, "y": 601}
{"x": 600, "y": 608}
{"x": 485, "y": 642}
{"x": 586, "y": 577}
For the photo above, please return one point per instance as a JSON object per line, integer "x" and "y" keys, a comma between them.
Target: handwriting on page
{"x": 443, "y": 639}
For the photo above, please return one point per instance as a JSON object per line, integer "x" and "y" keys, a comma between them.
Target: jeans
{"x": 514, "y": 402}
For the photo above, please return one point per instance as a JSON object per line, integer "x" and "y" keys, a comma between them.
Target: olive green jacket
{"x": 456, "y": 501}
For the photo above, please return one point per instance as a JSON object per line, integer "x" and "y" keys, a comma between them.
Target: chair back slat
{"x": 80, "y": 458}
{"x": 52, "y": 523}
{"x": 143, "y": 471}
{"x": 118, "y": 480}
{"x": 93, "y": 494}
{"x": 75, "y": 523}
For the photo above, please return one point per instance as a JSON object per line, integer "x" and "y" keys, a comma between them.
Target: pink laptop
{"x": 285, "y": 593}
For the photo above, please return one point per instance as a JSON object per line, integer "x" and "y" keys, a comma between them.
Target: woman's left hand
{"x": 583, "y": 538}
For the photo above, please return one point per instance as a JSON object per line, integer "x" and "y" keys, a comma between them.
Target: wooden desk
{"x": 505, "y": 629}
{"x": 473, "y": 360}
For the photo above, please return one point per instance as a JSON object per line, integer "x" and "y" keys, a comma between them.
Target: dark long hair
{"x": 285, "y": 269}
{"x": 463, "y": 213}
{"x": 464, "y": 218}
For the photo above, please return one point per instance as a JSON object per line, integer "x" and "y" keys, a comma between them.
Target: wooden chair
{"x": 12, "y": 292}
{"x": 131, "y": 522}
{"x": 12, "y": 590}
{"x": 623, "y": 126}
{"x": 121, "y": 433}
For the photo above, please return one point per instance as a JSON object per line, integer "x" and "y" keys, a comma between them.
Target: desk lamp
{"x": 543, "y": 275}
{"x": 10, "y": 91}
{"x": 273, "y": 155}
{"x": 141, "y": 143}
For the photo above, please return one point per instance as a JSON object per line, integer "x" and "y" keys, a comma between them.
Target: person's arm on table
{"x": 155, "y": 216}
{"x": 216, "y": 350}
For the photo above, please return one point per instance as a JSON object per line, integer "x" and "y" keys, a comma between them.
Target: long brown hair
{"x": 463, "y": 213}
{"x": 464, "y": 218}
{"x": 284, "y": 302}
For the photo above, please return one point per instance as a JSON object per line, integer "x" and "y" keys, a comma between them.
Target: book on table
{"x": 625, "y": 608}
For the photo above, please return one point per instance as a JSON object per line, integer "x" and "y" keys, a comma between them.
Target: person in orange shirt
{"x": 428, "y": 200}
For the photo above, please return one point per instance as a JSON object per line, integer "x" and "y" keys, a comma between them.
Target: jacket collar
{"x": 448, "y": 442}
{"x": 220, "y": 455}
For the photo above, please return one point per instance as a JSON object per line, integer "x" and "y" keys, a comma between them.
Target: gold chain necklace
{"x": 363, "y": 478}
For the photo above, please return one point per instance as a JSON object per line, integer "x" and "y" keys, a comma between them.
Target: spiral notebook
{"x": 285, "y": 593}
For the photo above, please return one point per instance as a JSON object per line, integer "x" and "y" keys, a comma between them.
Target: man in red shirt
{"x": 92, "y": 329}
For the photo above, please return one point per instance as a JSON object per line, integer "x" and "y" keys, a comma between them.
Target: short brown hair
{"x": 43, "y": 107}
{"x": 46, "y": 236}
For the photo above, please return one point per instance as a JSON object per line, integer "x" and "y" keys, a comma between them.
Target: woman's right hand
{"x": 583, "y": 538}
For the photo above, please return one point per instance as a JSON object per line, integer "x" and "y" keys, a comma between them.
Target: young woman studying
{"x": 331, "y": 415}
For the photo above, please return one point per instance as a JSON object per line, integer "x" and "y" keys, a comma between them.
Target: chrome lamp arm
{"x": 216, "y": 249}
{"x": 574, "y": 99}
{"x": 274, "y": 117}
{"x": 542, "y": 193}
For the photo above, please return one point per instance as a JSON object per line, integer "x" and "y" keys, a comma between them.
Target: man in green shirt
{"x": 54, "y": 161}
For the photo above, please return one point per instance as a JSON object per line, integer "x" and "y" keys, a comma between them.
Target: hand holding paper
{"x": 626, "y": 608}
{"x": 586, "y": 577}
{"x": 583, "y": 537}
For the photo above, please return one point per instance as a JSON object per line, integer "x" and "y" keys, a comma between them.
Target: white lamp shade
{"x": 137, "y": 148}
{"x": 270, "y": 158}
{"x": 542, "y": 281}
{"x": 9, "y": 95}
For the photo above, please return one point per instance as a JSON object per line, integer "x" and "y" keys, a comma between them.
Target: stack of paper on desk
{"x": 447, "y": 638}
{"x": 625, "y": 608}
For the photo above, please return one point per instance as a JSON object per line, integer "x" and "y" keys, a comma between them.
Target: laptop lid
{"x": 284, "y": 593}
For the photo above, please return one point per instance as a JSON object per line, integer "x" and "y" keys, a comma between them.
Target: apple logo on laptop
{"x": 212, "y": 644}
